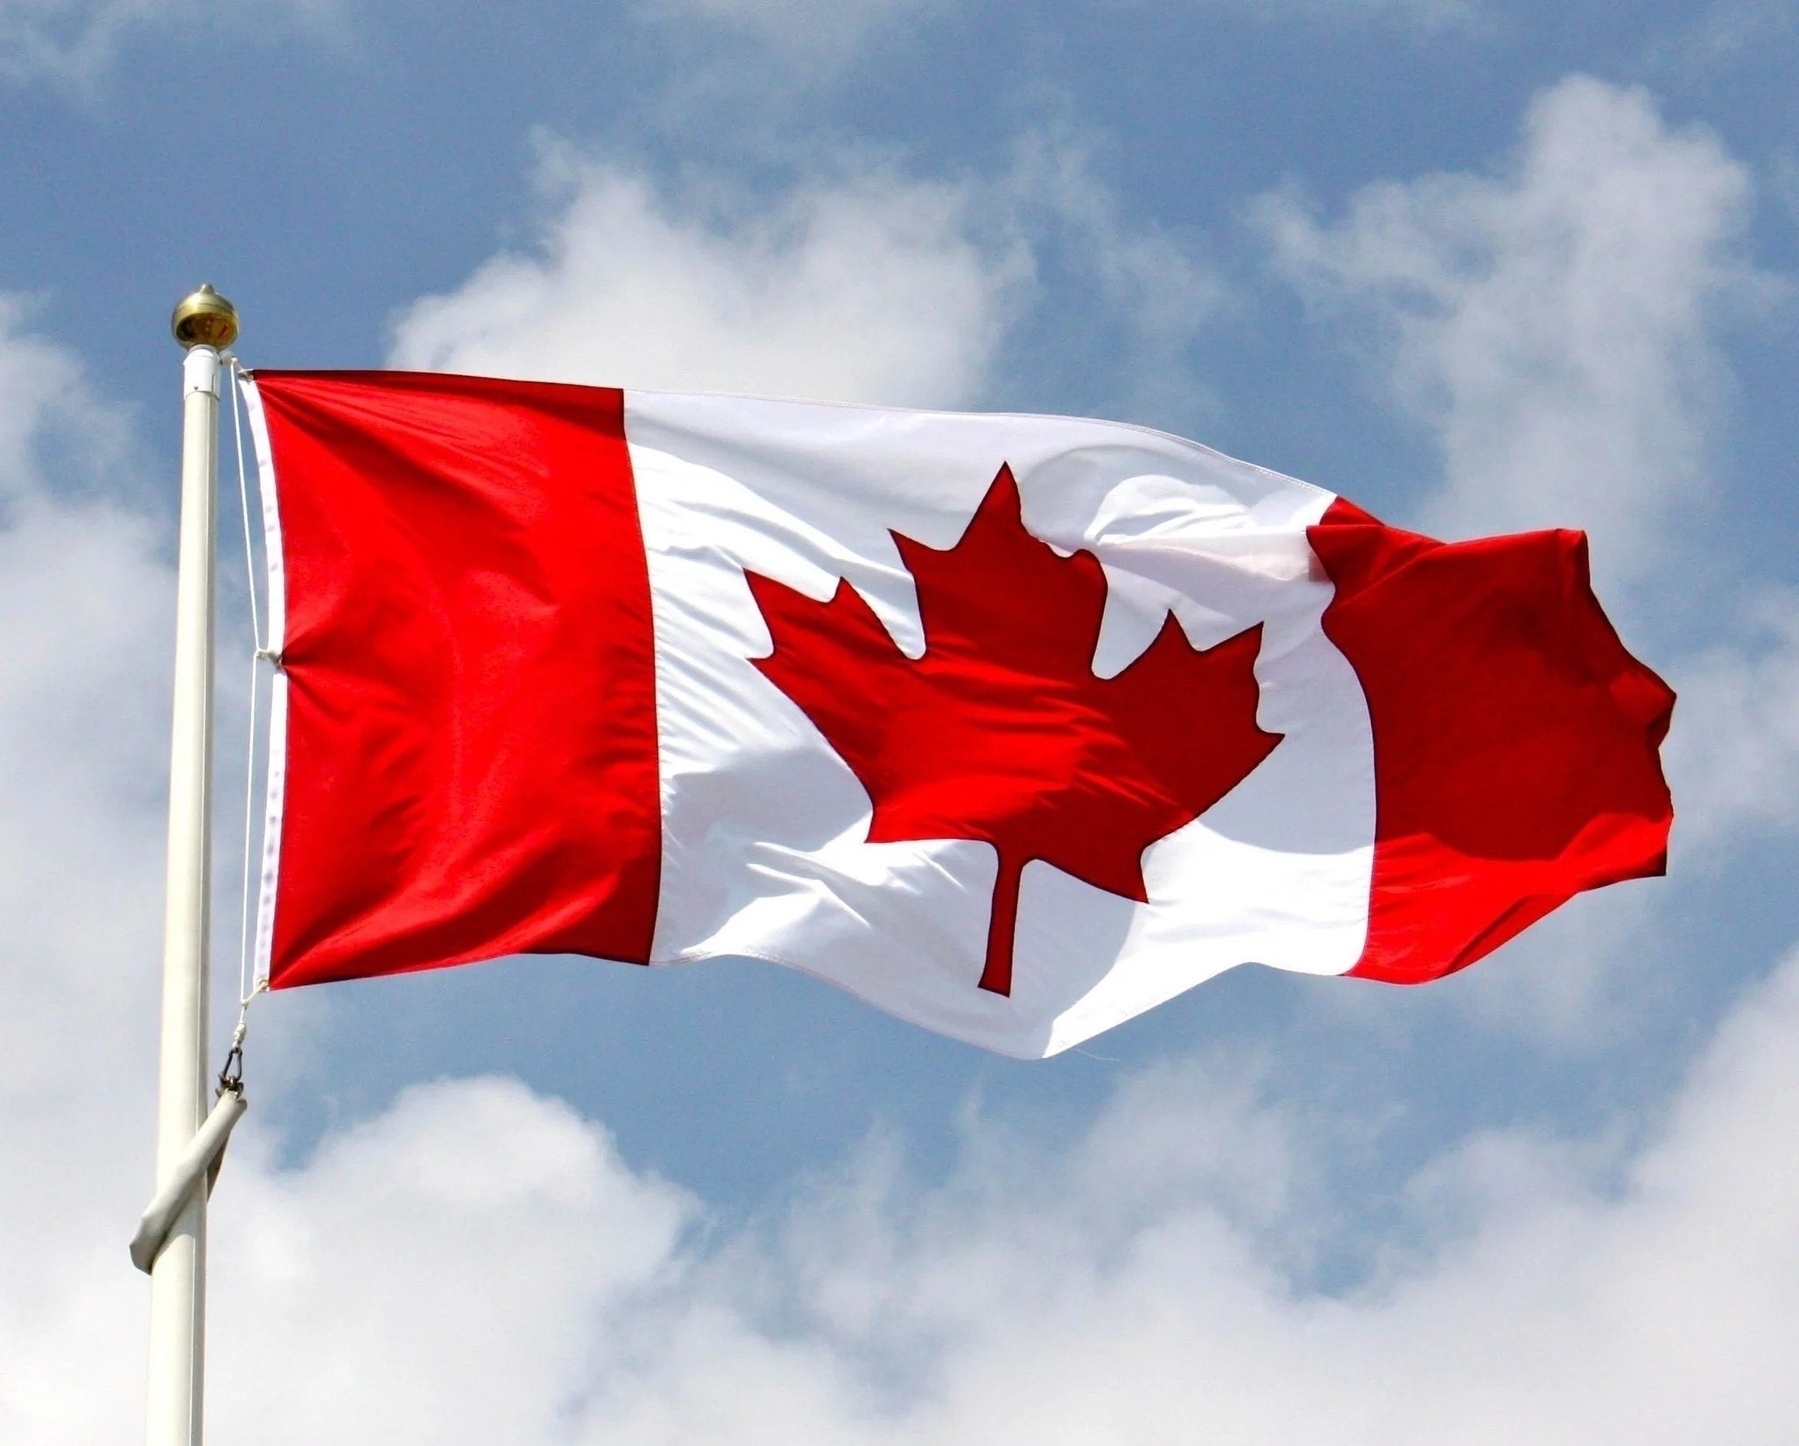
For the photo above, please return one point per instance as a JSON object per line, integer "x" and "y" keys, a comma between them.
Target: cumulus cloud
{"x": 85, "y": 610}
{"x": 86, "y": 614}
{"x": 859, "y": 284}
{"x": 867, "y": 288}
{"x": 73, "y": 42}
{"x": 1735, "y": 758}
{"x": 829, "y": 35}
{"x": 478, "y": 1262}
{"x": 1149, "y": 294}
{"x": 820, "y": 35}
{"x": 519, "y": 1242}
{"x": 66, "y": 39}
{"x": 1553, "y": 325}
{"x": 1716, "y": 35}
{"x": 1428, "y": 16}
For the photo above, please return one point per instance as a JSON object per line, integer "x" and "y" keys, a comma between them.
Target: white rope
{"x": 243, "y": 506}
{"x": 245, "y": 990}
{"x": 244, "y": 994}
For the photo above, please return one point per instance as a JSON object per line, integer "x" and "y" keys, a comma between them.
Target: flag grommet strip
{"x": 269, "y": 648}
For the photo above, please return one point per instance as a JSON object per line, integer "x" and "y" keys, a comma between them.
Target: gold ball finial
{"x": 204, "y": 318}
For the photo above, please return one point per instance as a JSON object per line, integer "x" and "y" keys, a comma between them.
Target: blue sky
{"x": 1476, "y": 266}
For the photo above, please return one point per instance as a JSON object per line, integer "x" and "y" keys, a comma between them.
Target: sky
{"x": 1478, "y": 266}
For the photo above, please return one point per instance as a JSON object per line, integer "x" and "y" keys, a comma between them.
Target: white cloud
{"x": 1553, "y": 324}
{"x": 515, "y": 1237}
{"x": 66, "y": 39}
{"x": 1734, "y": 759}
{"x": 84, "y": 619}
{"x": 1154, "y": 295}
{"x": 73, "y": 42}
{"x": 479, "y": 1263}
{"x": 820, "y": 35}
{"x": 1713, "y": 37}
{"x": 869, "y": 288}
{"x": 860, "y": 284}
{"x": 1429, "y": 16}
{"x": 86, "y": 611}
{"x": 827, "y": 35}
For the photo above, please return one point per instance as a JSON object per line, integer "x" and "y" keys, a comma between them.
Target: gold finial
{"x": 204, "y": 318}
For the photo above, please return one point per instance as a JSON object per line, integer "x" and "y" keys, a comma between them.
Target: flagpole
{"x": 203, "y": 323}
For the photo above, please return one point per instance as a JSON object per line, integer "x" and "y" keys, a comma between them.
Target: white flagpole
{"x": 203, "y": 323}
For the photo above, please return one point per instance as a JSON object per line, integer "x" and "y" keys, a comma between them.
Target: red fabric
{"x": 471, "y": 761}
{"x": 1515, "y": 740}
{"x": 1001, "y": 731}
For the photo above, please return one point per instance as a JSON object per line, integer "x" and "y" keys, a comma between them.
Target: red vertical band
{"x": 471, "y": 763}
{"x": 1515, "y": 740}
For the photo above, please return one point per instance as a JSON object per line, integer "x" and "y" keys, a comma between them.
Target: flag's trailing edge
{"x": 1014, "y": 726}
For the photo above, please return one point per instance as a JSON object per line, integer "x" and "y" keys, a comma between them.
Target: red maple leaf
{"x": 1002, "y": 732}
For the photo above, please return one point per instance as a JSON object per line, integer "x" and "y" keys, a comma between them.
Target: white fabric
{"x": 275, "y": 561}
{"x": 764, "y": 826}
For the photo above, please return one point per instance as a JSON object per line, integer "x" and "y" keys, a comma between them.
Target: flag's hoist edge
{"x": 276, "y": 614}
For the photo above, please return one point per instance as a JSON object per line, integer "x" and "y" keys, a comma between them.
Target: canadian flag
{"x": 1014, "y": 726}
